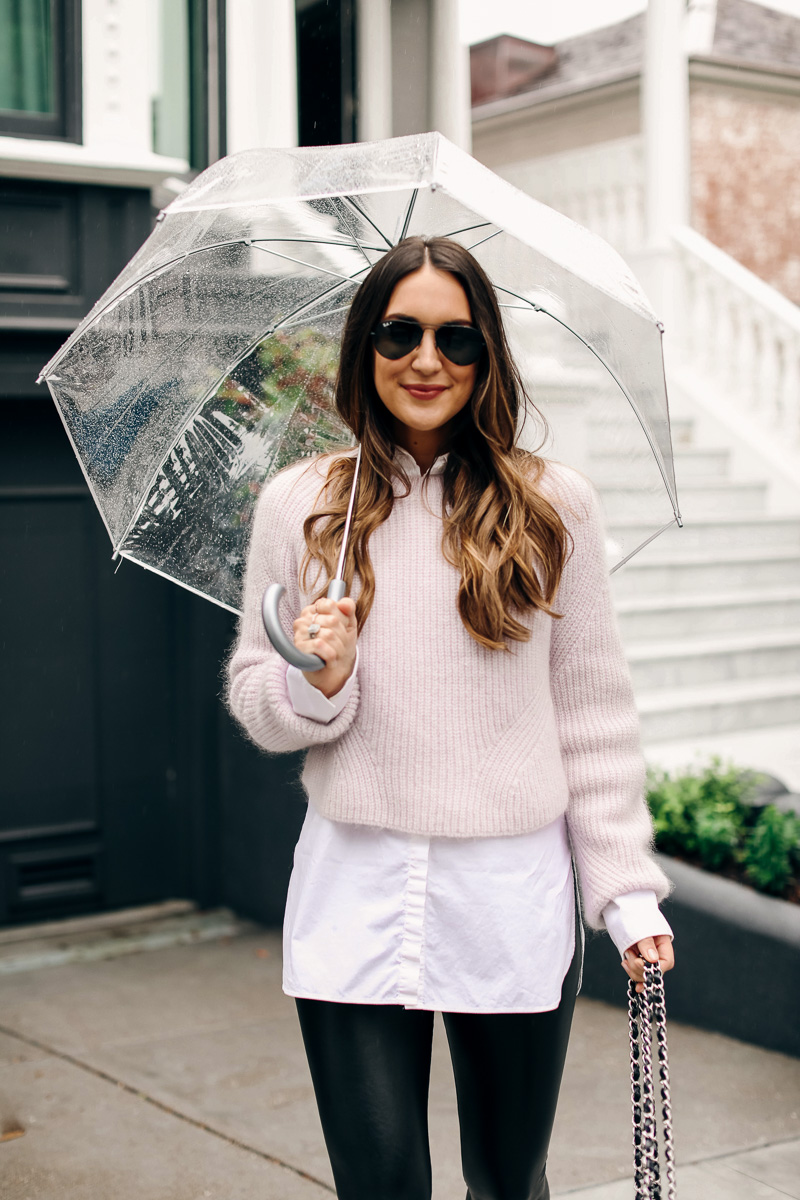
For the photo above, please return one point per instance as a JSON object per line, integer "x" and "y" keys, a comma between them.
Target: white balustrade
{"x": 597, "y": 186}
{"x": 741, "y": 334}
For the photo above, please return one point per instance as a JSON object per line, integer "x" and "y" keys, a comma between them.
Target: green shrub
{"x": 707, "y": 815}
{"x": 770, "y": 853}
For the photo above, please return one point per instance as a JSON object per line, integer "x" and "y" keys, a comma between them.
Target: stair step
{"x": 698, "y": 499}
{"x": 605, "y": 468}
{"x": 652, "y": 574}
{"x": 604, "y": 435}
{"x": 759, "y": 531}
{"x": 700, "y": 661}
{"x": 647, "y": 618}
{"x": 682, "y": 430}
{"x": 671, "y": 713}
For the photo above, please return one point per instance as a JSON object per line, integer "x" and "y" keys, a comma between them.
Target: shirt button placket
{"x": 412, "y": 948}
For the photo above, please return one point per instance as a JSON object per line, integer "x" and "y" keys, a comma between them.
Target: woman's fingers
{"x": 328, "y": 614}
{"x": 334, "y": 640}
{"x": 656, "y": 949}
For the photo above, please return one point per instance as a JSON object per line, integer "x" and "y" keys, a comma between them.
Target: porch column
{"x": 374, "y": 49}
{"x": 262, "y": 74}
{"x": 450, "y": 111}
{"x": 665, "y": 129}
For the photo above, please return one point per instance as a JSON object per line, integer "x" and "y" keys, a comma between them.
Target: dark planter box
{"x": 737, "y": 955}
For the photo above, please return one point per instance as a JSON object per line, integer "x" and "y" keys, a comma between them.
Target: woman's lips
{"x": 421, "y": 392}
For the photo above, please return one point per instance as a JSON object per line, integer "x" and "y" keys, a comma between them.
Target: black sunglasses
{"x": 461, "y": 344}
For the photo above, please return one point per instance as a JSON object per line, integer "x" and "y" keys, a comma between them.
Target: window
{"x": 207, "y": 87}
{"x": 170, "y": 99}
{"x": 40, "y": 67}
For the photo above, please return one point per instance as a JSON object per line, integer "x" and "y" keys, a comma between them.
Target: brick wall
{"x": 746, "y": 181}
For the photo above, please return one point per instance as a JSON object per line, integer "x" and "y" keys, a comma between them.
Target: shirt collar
{"x": 411, "y": 467}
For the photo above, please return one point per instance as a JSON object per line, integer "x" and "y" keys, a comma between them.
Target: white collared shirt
{"x": 482, "y": 925}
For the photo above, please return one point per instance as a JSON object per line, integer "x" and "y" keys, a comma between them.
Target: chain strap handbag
{"x": 645, "y": 1008}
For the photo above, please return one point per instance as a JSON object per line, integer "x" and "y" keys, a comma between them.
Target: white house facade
{"x": 670, "y": 135}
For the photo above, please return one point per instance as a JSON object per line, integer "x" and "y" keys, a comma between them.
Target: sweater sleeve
{"x": 257, "y": 690}
{"x": 610, "y": 828}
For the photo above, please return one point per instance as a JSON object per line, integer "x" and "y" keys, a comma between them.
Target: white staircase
{"x": 710, "y": 614}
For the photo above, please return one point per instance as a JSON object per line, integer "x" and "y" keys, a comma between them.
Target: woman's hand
{"x": 652, "y": 949}
{"x": 335, "y": 642}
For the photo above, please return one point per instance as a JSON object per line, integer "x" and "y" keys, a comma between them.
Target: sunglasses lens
{"x": 462, "y": 344}
{"x": 394, "y": 339}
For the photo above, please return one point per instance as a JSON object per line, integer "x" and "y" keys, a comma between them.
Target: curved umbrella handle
{"x": 272, "y": 624}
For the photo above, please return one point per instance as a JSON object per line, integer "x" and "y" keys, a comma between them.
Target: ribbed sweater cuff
{"x": 268, "y": 715}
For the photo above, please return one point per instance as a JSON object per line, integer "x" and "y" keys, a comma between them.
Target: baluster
{"x": 756, "y": 382}
{"x": 730, "y": 347}
{"x": 791, "y": 391}
{"x": 748, "y": 350}
{"x": 708, "y": 326}
{"x": 725, "y": 340}
{"x": 769, "y": 372}
{"x": 688, "y": 302}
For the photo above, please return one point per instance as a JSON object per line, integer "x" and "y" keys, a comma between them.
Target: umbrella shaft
{"x": 339, "y": 580}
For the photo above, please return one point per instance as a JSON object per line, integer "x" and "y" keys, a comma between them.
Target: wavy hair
{"x": 505, "y": 538}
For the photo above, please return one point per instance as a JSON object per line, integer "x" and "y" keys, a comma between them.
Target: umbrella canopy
{"x": 209, "y": 362}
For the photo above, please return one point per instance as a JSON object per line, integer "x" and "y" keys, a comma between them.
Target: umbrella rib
{"x": 466, "y": 229}
{"x": 378, "y": 249}
{"x": 152, "y": 274}
{"x": 409, "y": 211}
{"x": 304, "y": 307}
{"x": 361, "y": 213}
{"x": 656, "y": 452}
{"x": 488, "y": 238}
{"x": 196, "y": 408}
{"x": 301, "y": 262}
{"x": 174, "y": 579}
{"x": 132, "y": 286}
{"x": 675, "y": 521}
{"x": 330, "y": 312}
{"x": 322, "y": 242}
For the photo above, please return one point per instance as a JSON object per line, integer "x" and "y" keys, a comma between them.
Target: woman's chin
{"x": 426, "y": 421}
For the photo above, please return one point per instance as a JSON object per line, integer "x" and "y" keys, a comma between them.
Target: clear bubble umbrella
{"x": 209, "y": 363}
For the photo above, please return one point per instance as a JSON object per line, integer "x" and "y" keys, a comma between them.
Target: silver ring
{"x": 314, "y": 629}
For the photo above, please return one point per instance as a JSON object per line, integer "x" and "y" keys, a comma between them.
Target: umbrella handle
{"x": 272, "y": 624}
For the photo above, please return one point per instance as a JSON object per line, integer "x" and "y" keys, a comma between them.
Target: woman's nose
{"x": 427, "y": 356}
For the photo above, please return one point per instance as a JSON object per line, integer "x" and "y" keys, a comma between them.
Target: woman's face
{"x": 424, "y": 391}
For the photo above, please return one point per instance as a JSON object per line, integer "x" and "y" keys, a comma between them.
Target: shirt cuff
{"x": 633, "y": 916}
{"x": 308, "y": 701}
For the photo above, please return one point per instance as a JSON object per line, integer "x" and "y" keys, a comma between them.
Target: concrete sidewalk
{"x": 178, "y": 1073}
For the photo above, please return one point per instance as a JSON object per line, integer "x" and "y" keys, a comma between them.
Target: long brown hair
{"x": 506, "y": 539}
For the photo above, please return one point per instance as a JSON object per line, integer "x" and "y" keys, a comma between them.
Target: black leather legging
{"x": 370, "y": 1065}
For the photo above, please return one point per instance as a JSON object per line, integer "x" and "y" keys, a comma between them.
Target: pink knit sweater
{"x": 494, "y": 743}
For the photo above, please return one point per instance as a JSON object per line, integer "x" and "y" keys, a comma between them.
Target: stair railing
{"x": 742, "y": 335}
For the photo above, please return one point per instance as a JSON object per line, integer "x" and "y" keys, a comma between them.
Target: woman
{"x": 472, "y": 731}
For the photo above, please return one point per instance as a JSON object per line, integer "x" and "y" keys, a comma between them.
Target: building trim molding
{"x": 549, "y": 99}
{"x": 66, "y": 163}
{"x": 712, "y": 70}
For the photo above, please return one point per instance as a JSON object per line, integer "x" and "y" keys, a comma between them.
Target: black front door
{"x": 89, "y": 720}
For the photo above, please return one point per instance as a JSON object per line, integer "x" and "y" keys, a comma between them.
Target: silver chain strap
{"x": 643, "y": 1009}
